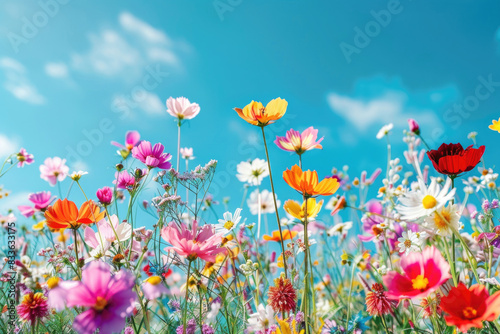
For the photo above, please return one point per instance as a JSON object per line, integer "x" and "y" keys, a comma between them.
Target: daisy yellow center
{"x": 441, "y": 221}
{"x": 408, "y": 243}
{"x": 429, "y": 202}
{"x": 154, "y": 280}
{"x": 228, "y": 225}
{"x": 100, "y": 303}
{"x": 469, "y": 312}
{"x": 53, "y": 282}
{"x": 420, "y": 282}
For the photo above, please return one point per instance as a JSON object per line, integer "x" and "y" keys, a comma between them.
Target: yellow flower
{"x": 255, "y": 113}
{"x": 212, "y": 267}
{"x": 495, "y": 126}
{"x": 286, "y": 328}
{"x": 39, "y": 226}
{"x": 345, "y": 258}
{"x": 299, "y": 212}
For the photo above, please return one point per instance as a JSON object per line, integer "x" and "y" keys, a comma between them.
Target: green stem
{"x": 274, "y": 198}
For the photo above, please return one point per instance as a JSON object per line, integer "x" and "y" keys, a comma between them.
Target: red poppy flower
{"x": 468, "y": 308}
{"x": 452, "y": 159}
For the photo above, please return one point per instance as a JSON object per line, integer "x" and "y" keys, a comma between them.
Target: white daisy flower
{"x": 76, "y": 176}
{"x": 408, "y": 243}
{"x": 445, "y": 220}
{"x": 229, "y": 222}
{"x": 339, "y": 229}
{"x": 252, "y": 172}
{"x": 384, "y": 131}
{"x": 266, "y": 202}
{"x": 424, "y": 200}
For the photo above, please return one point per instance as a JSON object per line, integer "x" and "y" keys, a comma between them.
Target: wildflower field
{"x": 426, "y": 260}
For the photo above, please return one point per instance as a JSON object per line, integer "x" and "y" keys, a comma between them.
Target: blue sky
{"x": 74, "y": 69}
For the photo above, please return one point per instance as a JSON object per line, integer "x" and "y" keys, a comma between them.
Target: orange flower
{"x": 307, "y": 182}
{"x": 287, "y": 235}
{"x": 255, "y": 113}
{"x": 65, "y": 214}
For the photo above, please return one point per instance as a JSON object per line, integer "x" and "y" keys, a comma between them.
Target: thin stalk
{"x": 274, "y": 197}
{"x": 350, "y": 295}
{"x": 184, "y": 315}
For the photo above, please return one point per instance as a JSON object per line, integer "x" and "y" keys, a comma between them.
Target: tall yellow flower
{"x": 299, "y": 211}
{"x": 255, "y": 113}
{"x": 495, "y": 126}
{"x": 286, "y": 328}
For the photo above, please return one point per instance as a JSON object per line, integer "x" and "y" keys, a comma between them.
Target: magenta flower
{"x": 124, "y": 180}
{"x": 182, "y": 108}
{"x": 152, "y": 156}
{"x": 422, "y": 274}
{"x": 193, "y": 243}
{"x": 24, "y": 158}
{"x": 414, "y": 127}
{"x": 132, "y": 138}
{"x": 105, "y": 195}
{"x": 41, "y": 201}
{"x": 299, "y": 142}
{"x": 109, "y": 299}
{"x": 53, "y": 170}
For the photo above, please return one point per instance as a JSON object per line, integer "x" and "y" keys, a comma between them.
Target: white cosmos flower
{"x": 422, "y": 202}
{"x": 262, "y": 319}
{"x": 229, "y": 222}
{"x": 409, "y": 243}
{"x": 252, "y": 172}
{"x": 266, "y": 202}
{"x": 102, "y": 240}
{"x": 76, "y": 176}
{"x": 384, "y": 131}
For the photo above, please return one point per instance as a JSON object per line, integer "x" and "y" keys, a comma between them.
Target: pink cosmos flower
{"x": 193, "y": 243}
{"x": 109, "y": 299}
{"x": 299, "y": 143}
{"x": 182, "y": 108}
{"x": 24, "y": 158}
{"x": 53, "y": 170}
{"x": 154, "y": 288}
{"x": 58, "y": 291}
{"x": 422, "y": 274}
{"x": 105, "y": 195}
{"x": 41, "y": 201}
{"x": 132, "y": 138}
{"x": 124, "y": 180}
{"x": 152, "y": 156}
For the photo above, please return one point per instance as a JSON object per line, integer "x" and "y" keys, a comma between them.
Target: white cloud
{"x": 127, "y": 50}
{"x": 142, "y": 29}
{"x": 110, "y": 55}
{"x": 56, "y": 70}
{"x": 147, "y": 102}
{"x": 17, "y": 82}
{"x": 379, "y": 100}
{"x": 7, "y": 146}
{"x": 363, "y": 114}
{"x": 79, "y": 165}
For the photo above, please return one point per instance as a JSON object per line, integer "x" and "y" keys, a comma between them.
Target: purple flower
{"x": 41, "y": 201}
{"x": 109, "y": 299}
{"x": 190, "y": 327}
{"x": 152, "y": 156}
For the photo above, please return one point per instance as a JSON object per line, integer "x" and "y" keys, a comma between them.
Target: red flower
{"x": 468, "y": 308}
{"x": 452, "y": 159}
{"x": 377, "y": 302}
{"x": 282, "y": 296}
